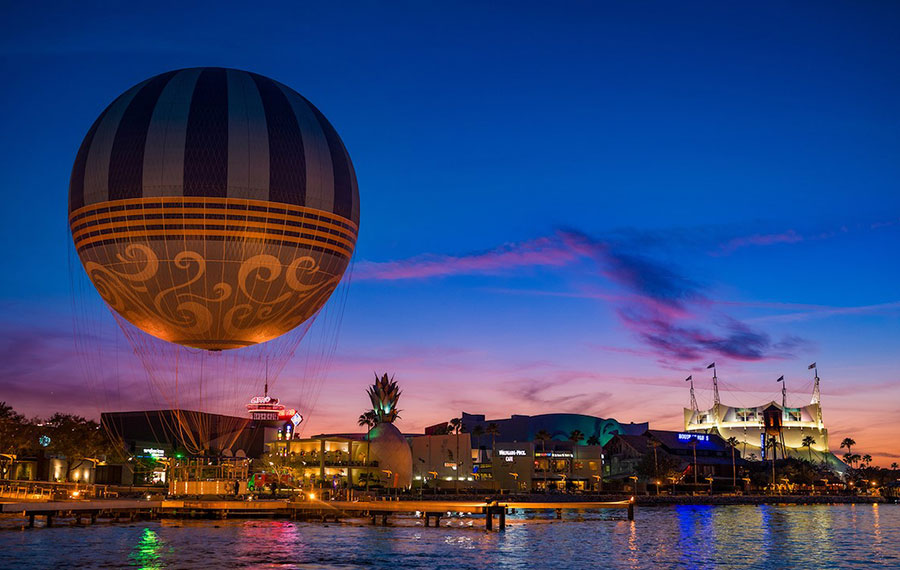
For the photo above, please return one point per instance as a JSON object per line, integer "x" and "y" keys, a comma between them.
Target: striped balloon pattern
{"x": 213, "y": 208}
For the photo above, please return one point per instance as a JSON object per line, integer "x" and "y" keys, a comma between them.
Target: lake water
{"x": 769, "y": 536}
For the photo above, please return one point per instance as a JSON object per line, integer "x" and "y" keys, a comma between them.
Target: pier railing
{"x": 308, "y": 509}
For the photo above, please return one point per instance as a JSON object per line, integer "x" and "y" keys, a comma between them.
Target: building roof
{"x": 677, "y": 440}
{"x": 637, "y": 442}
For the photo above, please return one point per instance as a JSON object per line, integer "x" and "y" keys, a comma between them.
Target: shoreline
{"x": 663, "y": 500}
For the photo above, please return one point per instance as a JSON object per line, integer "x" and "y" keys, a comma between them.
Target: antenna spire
{"x": 715, "y": 392}
{"x": 817, "y": 396}
{"x": 783, "y": 394}
{"x": 694, "y": 405}
{"x": 266, "y": 393}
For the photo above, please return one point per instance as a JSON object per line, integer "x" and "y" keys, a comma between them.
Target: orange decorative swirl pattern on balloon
{"x": 245, "y": 286}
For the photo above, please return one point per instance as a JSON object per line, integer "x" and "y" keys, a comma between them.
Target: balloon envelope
{"x": 213, "y": 208}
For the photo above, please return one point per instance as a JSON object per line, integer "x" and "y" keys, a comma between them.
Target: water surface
{"x": 739, "y": 536}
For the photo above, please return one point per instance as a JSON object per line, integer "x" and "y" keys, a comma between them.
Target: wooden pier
{"x": 116, "y": 509}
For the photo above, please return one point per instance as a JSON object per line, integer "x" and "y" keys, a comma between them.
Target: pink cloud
{"x": 540, "y": 252}
{"x": 733, "y": 244}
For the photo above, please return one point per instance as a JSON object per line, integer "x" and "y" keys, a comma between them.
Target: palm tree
{"x": 477, "y": 432}
{"x": 574, "y": 437}
{"x": 808, "y": 442}
{"x": 368, "y": 419}
{"x": 733, "y": 443}
{"x": 894, "y": 466}
{"x": 544, "y": 436}
{"x": 654, "y": 445}
{"x": 693, "y": 443}
{"x": 848, "y": 443}
{"x": 867, "y": 459}
{"x": 773, "y": 443}
{"x": 593, "y": 440}
{"x": 456, "y": 426}
{"x": 493, "y": 430}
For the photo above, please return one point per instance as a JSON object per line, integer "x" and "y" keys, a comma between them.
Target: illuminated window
{"x": 746, "y": 415}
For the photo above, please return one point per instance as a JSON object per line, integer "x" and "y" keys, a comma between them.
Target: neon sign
{"x": 512, "y": 452}
{"x": 555, "y": 454}
{"x": 690, "y": 436}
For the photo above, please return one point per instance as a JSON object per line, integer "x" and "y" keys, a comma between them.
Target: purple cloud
{"x": 659, "y": 304}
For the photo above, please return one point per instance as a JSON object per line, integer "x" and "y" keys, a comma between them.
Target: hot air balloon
{"x": 213, "y": 208}
{"x": 215, "y": 211}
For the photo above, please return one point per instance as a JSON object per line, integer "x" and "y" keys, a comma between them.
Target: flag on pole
{"x": 811, "y": 366}
{"x": 780, "y": 379}
{"x": 689, "y": 378}
{"x": 713, "y": 365}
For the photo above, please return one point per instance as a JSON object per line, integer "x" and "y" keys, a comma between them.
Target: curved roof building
{"x": 559, "y": 426}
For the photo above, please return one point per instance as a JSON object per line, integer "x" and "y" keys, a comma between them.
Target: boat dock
{"x": 118, "y": 509}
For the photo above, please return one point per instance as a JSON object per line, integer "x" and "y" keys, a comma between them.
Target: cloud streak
{"x": 540, "y": 252}
{"x": 667, "y": 311}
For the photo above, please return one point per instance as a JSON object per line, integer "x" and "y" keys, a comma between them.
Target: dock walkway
{"x": 309, "y": 509}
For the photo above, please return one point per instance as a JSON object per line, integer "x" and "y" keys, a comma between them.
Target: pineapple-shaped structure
{"x": 387, "y": 445}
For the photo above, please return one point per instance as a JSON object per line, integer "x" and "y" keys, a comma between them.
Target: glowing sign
{"x": 690, "y": 436}
{"x": 555, "y": 454}
{"x": 512, "y": 452}
{"x": 260, "y": 400}
{"x": 154, "y": 453}
{"x": 296, "y": 419}
{"x": 44, "y": 440}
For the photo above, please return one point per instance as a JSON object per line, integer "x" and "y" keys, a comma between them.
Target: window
{"x": 746, "y": 415}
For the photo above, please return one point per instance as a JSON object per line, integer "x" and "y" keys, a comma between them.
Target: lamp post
{"x": 434, "y": 477}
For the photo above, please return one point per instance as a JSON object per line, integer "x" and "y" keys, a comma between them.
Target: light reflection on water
{"x": 146, "y": 553}
{"x": 768, "y": 536}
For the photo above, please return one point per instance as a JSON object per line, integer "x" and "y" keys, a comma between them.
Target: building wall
{"x": 512, "y": 465}
{"x": 439, "y": 454}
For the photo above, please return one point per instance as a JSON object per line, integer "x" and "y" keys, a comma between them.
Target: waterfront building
{"x": 799, "y": 432}
{"x": 327, "y": 460}
{"x": 546, "y": 466}
{"x": 658, "y": 455}
{"x": 187, "y": 432}
{"x": 558, "y": 426}
{"x": 442, "y": 460}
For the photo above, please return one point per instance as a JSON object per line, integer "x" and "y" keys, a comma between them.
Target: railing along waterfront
{"x": 309, "y": 509}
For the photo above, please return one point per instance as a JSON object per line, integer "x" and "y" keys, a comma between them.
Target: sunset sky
{"x": 563, "y": 210}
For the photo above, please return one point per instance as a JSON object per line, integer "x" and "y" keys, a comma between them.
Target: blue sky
{"x": 612, "y": 195}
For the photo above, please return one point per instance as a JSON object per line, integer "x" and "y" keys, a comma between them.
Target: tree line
{"x": 73, "y": 437}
